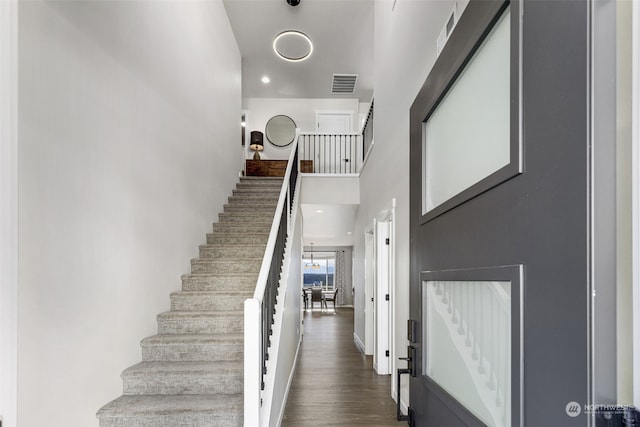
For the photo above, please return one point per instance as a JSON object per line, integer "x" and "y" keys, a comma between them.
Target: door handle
{"x": 410, "y": 369}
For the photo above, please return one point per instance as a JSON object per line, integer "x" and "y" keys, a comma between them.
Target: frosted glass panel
{"x": 468, "y": 344}
{"x": 467, "y": 137}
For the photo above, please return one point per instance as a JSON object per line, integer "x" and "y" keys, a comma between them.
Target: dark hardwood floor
{"x": 334, "y": 384}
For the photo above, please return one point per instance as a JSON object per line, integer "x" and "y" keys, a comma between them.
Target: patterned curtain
{"x": 340, "y": 278}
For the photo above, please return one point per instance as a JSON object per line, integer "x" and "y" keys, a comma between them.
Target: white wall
{"x": 128, "y": 131}
{"x": 8, "y": 210}
{"x": 405, "y": 50}
{"x": 334, "y": 190}
{"x": 301, "y": 110}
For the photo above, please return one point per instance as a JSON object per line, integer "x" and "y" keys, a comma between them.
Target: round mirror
{"x": 280, "y": 130}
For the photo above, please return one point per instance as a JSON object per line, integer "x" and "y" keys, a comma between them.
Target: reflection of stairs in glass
{"x": 191, "y": 373}
{"x": 473, "y": 316}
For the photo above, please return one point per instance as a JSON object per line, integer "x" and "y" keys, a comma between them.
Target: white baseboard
{"x": 359, "y": 343}
{"x": 404, "y": 408}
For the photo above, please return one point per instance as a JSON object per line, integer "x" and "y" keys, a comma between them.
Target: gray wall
{"x": 128, "y": 122}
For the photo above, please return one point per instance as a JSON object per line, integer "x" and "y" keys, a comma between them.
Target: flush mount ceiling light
{"x": 265, "y": 79}
{"x": 293, "y": 46}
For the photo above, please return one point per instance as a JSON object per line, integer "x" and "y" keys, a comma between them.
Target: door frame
{"x": 9, "y": 211}
{"x": 385, "y": 285}
{"x": 369, "y": 287}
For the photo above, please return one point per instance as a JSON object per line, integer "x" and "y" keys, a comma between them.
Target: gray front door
{"x": 500, "y": 267}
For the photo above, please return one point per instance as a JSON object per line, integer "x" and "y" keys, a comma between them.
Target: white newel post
{"x": 252, "y": 369}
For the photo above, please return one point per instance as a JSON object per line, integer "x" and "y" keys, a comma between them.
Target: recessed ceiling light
{"x": 265, "y": 79}
{"x": 348, "y": 232}
{"x": 293, "y": 46}
{"x": 319, "y": 211}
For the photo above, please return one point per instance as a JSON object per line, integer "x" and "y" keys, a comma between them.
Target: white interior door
{"x": 333, "y": 122}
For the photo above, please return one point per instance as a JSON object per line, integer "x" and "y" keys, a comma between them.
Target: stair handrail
{"x": 273, "y": 234}
{"x": 257, "y": 320}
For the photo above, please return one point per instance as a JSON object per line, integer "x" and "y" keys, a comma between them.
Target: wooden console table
{"x": 275, "y": 168}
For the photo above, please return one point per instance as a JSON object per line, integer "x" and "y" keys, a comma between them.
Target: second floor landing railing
{"x": 336, "y": 153}
{"x": 326, "y": 153}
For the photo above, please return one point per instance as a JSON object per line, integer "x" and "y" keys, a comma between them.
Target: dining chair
{"x": 332, "y": 298}
{"x": 316, "y": 295}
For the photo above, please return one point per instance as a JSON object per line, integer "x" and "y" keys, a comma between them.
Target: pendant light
{"x": 313, "y": 265}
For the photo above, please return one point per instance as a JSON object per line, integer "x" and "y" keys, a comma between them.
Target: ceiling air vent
{"x": 344, "y": 83}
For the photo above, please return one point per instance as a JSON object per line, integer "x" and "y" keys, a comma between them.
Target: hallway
{"x": 334, "y": 384}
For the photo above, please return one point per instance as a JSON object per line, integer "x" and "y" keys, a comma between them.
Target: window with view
{"x": 319, "y": 270}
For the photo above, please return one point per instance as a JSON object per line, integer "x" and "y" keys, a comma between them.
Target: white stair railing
{"x": 478, "y": 319}
{"x": 259, "y": 310}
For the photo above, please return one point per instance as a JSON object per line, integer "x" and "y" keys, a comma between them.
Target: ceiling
{"x": 328, "y": 224}
{"x": 342, "y": 36}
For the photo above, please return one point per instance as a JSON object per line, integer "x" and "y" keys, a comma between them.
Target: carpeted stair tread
{"x": 162, "y": 404}
{"x": 149, "y": 368}
{"x": 241, "y": 217}
{"x": 218, "y": 281}
{"x": 251, "y": 201}
{"x": 160, "y": 377}
{"x": 209, "y": 300}
{"x": 251, "y": 238}
{"x": 193, "y": 347}
{"x": 231, "y": 250}
{"x": 197, "y": 322}
{"x": 199, "y": 314}
{"x": 176, "y": 339}
{"x": 210, "y": 293}
{"x": 225, "y": 265}
{"x": 257, "y": 192}
{"x": 235, "y": 228}
{"x": 256, "y": 210}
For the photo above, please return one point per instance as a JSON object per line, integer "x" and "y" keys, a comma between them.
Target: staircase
{"x": 191, "y": 372}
